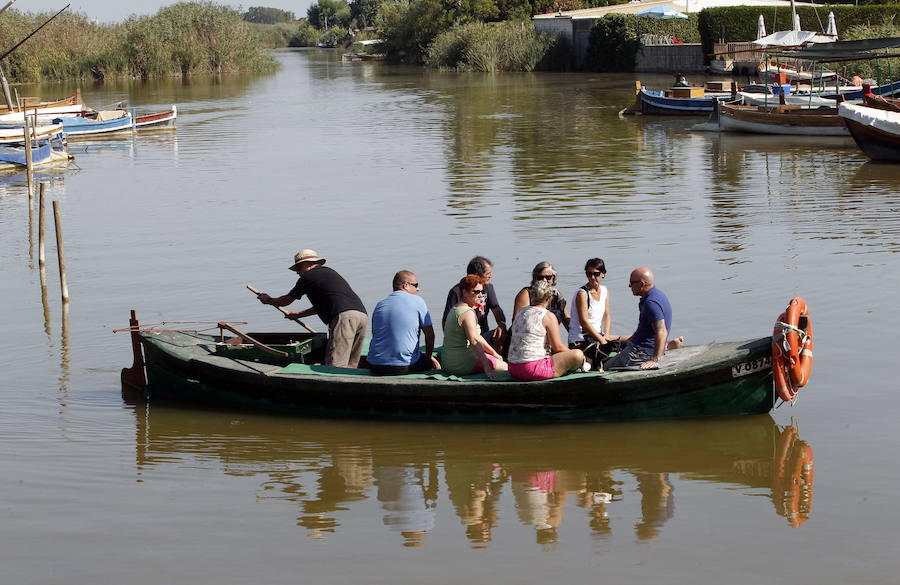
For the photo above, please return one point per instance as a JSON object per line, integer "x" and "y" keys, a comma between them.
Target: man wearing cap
{"x": 333, "y": 301}
{"x": 396, "y": 323}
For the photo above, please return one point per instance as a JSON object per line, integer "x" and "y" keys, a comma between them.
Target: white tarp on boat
{"x": 785, "y": 38}
{"x": 882, "y": 119}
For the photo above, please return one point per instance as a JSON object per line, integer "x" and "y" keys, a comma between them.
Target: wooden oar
{"x": 283, "y": 311}
{"x": 249, "y": 339}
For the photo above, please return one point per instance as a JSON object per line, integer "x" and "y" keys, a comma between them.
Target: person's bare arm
{"x": 523, "y": 299}
{"x": 659, "y": 346}
{"x": 581, "y": 303}
{"x": 281, "y": 301}
{"x": 473, "y": 333}
{"x": 551, "y": 324}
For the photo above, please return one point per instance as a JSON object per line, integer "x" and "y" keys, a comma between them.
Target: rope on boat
{"x": 152, "y": 327}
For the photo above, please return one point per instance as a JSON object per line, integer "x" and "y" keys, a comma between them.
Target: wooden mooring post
{"x": 63, "y": 285}
{"x": 29, "y": 163}
{"x": 42, "y": 233}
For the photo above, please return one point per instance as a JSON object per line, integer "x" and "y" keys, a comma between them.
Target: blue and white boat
{"x": 102, "y": 122}
{"x": 47, "y": 150}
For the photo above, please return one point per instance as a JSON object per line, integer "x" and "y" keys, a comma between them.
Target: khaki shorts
{"x": 346, "y": 334}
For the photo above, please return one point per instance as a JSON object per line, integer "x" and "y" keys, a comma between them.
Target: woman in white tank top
{"x": 536, "y": 350}
{"x": 591, "y": 319}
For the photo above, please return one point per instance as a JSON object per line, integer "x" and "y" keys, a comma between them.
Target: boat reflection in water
{"x": 336, "y": 471}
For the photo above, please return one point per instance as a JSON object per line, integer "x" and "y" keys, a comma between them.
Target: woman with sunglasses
{"x": 536, "y": 350}
{"x": 591, "y": 319}
{"x": 543, "y": 271}
{"x": 465, "y": 351}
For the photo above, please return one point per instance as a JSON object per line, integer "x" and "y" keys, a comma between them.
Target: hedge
{"x": 616, "y": 39}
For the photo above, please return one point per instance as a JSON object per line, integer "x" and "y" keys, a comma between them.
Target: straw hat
{"x": 306, "y": 255}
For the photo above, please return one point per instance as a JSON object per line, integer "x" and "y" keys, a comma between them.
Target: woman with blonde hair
{"x": 536, "y": 350}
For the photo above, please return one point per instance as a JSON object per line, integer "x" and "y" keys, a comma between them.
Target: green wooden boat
{"x": 718, "y": 379}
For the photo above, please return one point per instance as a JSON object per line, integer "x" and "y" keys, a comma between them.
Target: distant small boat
{"x": 876, "y": 131}
{"x": 157, "y": 120}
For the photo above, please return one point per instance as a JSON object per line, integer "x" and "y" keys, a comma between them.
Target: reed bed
{"x": 479, "y": 46}
{"x": 181, "y": 39}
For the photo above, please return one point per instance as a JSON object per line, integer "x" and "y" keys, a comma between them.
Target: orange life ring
{"x": 792, "y": 345}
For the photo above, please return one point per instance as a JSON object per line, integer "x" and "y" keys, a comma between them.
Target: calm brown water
{"x": 385, "y": 168}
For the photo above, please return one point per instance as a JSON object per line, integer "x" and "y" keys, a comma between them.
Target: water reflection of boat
{"x": 717, "y": 379}
{"x": 326, "y": 470}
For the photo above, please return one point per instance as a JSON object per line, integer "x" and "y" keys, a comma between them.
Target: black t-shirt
{"x": 455, "y": 296}
{"x": 328, "y": 292}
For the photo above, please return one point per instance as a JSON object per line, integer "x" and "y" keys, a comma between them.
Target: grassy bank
{"x": 182, "y": 39}
{"x": 479, "y": 46}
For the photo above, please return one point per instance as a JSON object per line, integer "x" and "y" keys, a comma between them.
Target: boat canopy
{"x": 846, "y": 50}
{"x": 786, "y": 38}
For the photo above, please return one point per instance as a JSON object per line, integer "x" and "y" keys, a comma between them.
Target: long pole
{"x": 20, "y": 43}
{"x": 29, "y": 162}
{"x": 283, "y": 311}
{"x": 63, "y": 285}
{"x": 42, "y": 260}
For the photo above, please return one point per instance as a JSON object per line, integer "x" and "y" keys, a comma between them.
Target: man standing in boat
{"x": 648, "y": 343}
{"x": 484, "y": 268}
{"x": 333, "y": 301}
{"x": 396, "y": 322}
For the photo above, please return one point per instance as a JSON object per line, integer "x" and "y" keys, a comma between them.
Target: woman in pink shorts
{"x": 536, "y": 350}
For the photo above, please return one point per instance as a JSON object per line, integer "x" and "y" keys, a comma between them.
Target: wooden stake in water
{"x": 42, "y": 260}
{"x": 29, "y": 164}
{"x": 59, "y": 253}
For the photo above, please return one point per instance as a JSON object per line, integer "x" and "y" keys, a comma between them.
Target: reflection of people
{"x": 396, "y": 322}
{"x": 475, "y": 490}
{"x": 465, "y": 350}
{"x": 408, "y": 496}
{"x": 657, "y": 503}
{"x": 537, "y": 503}
{"x": 534, "y": 330}
{"x": 333, "y": 301}
{"x": 484, "y": 268}
{"x": 591, "y": 319}
{"x": 647, "y": 344}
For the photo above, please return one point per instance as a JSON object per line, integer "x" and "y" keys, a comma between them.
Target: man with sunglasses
{"x": 396, "y": 323}
{"x": 648, "y": 343}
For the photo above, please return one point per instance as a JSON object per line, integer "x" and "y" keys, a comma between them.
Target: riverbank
{"x": 182, "y": 39}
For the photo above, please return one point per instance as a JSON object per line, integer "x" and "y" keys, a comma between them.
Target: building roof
{"x": 686, "y": 6}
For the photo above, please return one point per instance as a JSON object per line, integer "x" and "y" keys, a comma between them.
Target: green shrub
{"x": 478, "y": 46}
{"x": 180, "y": 39}
{"x": 408, "y": 27}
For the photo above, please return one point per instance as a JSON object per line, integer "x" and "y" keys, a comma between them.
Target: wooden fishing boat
{"x": 278, "y": 372}
{"x": 16, "y": 134}
{"x": 876, "y": 131}
{"x": 102, "y": 122}
{"x": 71, "y": 104}
{"x": 679, "y": 101}
{"x": 156, "y": 120}
{"x": 48, "y": 151}
{"x": 882, "y": 103}
{"x": 792, "y": 120}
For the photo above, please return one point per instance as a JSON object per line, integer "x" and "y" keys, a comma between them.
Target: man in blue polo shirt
{"x": 647, "y": 344}
{"x": 396, "y": 323}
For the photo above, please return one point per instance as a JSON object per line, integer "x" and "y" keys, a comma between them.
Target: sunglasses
{"x": 413, "y": 284}
{"x": 547, "y": 277}
{"x": 594, "y": 273}
{"x": 478, "y": 292}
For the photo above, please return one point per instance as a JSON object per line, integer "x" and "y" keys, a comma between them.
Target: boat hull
{"x": 877, "y": 144}
{"x": 778, "y": 121}
{"x": 716, "y": 380}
